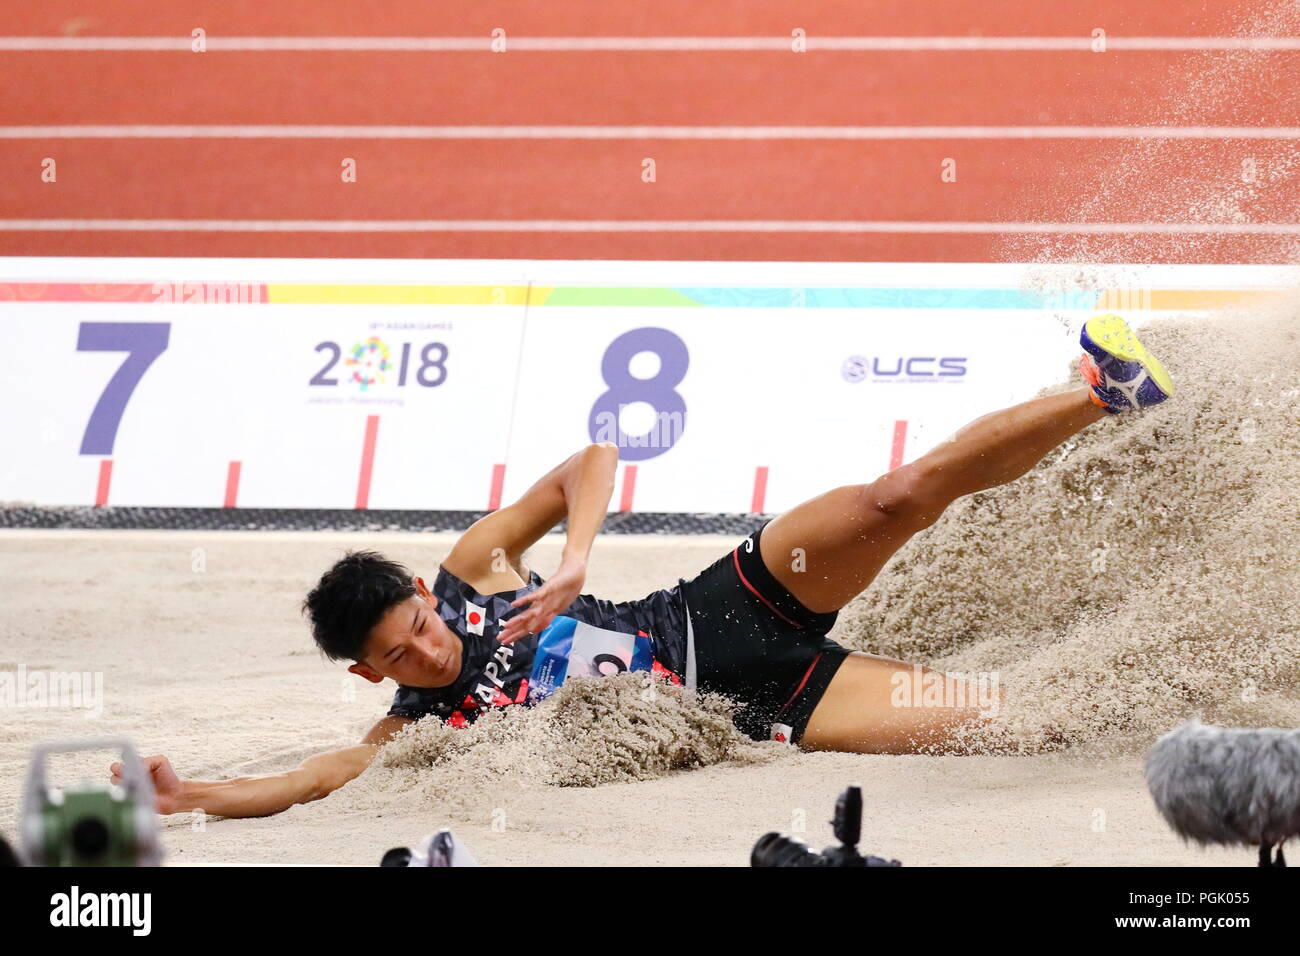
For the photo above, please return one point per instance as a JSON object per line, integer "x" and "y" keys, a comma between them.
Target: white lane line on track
{"x": 647, "y": 132}
{"x": 217, "y": 43}
{"x": 628, "y": 225}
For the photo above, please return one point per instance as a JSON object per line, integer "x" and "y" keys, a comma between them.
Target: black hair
{"x": 351, "y": 598}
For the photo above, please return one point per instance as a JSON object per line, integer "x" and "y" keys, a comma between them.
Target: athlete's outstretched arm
{"x": 265, "y": 794}
{"x": 489, "y": 555}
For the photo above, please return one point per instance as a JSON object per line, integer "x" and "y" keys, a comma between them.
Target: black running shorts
{"x": 755, "y": 643}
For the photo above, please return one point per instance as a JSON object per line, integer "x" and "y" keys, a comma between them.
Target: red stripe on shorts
{"x": 802, "y": 684}
{"x": 735, "y": 556}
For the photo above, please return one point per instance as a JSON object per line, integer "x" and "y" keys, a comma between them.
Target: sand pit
{"x": 215, "y": 670}
{"x": 1143, "y": 574}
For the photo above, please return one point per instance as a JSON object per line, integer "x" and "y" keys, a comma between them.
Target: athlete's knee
{"x": 913, "y": 493}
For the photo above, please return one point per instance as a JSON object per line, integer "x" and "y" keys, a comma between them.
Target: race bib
{"x": 568, "y": 648}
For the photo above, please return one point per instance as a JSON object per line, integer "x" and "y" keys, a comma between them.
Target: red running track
{"x": 1202, "y": 179}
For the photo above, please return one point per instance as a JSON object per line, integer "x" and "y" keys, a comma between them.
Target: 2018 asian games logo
{"x": 368, "y": 363}
{"x": 374, "y": 367}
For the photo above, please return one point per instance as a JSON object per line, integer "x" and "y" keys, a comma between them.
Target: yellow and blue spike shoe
{"x": 1122, "y": 373}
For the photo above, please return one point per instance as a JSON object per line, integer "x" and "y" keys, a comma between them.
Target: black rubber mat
{"x": 341, "y": 519}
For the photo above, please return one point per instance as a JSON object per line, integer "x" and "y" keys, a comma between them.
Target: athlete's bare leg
{"x": 828, "y": 549}
{"x": 867, "y": 709}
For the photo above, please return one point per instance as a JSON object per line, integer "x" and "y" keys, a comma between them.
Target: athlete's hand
{"x": 167, "y": 786}
{"x": 541, "y": 606}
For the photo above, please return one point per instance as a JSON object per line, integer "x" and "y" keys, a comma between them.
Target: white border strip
{"x": 648, "y": 132}
{"x": 640, "y": 44}
{"x": 678, "y": 273}
{"x": 643, "y": 225}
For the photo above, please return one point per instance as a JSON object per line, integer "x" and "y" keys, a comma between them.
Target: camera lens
{"x": 773, "y": 849}
{"x": 89, "y": 837}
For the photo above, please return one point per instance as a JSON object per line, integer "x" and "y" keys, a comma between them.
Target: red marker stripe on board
{"x": 232, "y": 484}
{"x": 900, "y": 441}
{"x": 498, "y": 482}
{"x": 760, "y": 489}
{"x": 105, "y": 476}
{"x": 629, "y": 488}
{"x": 367, "y": 461}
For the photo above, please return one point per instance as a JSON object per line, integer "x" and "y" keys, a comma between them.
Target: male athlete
{"x": 491, "y": 633}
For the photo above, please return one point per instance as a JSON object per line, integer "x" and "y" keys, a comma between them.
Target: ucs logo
{"x": 903, "y": 368}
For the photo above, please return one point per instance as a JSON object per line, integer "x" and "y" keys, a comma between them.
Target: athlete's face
{"x": 412, "y": 645}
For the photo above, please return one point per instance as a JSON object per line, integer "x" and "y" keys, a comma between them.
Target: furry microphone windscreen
{"x": 1224, "y": 785}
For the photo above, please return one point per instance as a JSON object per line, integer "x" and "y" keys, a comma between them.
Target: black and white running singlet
{"x": 733, "y": 629}
{"x": 591, "y": 636}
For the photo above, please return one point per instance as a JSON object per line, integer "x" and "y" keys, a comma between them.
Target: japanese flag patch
{"x": 474, "y": 617}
